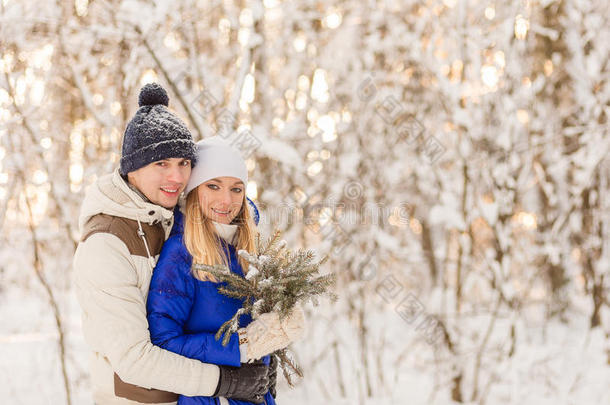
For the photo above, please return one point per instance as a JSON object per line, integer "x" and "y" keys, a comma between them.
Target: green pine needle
{"x": 281, "y": 279}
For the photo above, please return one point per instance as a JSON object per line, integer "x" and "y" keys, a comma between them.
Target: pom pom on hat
{"x": 153, "y": 94}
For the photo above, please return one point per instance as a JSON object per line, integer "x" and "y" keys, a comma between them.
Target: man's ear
{"x": 128, "y": 177}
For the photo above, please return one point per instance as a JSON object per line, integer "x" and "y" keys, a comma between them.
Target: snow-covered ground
{"x": 553, "y": 363}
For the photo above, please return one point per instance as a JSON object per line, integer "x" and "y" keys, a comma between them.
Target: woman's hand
{"x": 267, "y": 333}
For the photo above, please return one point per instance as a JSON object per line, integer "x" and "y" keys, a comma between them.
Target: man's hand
{"x": 272, "y": 375}
{"x": 246, "y": 383}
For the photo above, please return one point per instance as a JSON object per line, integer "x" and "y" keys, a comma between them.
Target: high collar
{"x": 225, "y": 231}
{"x": 111, "y": 195}
{"x": 135, "y": 190}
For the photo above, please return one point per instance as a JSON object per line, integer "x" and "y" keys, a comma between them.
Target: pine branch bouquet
{"x": 277, "y": 279}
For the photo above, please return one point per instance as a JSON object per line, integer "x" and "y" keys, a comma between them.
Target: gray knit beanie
{"x": 154, "y": 133}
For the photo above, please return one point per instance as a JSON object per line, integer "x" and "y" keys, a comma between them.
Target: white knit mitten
{"x": 294, "y": 324}
{"x": 267, "y": 333}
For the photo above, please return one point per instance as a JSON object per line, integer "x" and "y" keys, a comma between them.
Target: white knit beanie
{"x": 216, "y": 158}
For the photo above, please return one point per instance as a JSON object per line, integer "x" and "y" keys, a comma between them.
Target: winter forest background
{"x": 451, "y": 157}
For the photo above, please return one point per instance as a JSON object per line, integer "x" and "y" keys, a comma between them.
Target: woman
{"x": 185, "y": 309}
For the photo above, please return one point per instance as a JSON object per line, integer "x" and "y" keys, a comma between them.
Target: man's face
{"x": 162, "y": 181}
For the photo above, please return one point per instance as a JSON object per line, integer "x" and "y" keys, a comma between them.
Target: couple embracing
{"x": 148, "y": 318}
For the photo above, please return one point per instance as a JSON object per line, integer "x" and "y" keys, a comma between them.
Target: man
{"x": 125, "y": 219}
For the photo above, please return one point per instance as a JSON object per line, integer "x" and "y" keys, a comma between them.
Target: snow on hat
{"x": 154, "y": 133}
{"x": 216, "y": 159}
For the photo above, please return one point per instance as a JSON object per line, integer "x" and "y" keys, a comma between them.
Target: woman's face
{"x": 221, "y": 198}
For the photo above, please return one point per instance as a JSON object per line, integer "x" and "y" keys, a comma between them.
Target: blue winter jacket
{"x": 185, "y": 313}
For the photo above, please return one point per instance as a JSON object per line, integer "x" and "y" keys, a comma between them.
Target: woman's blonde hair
{"x": 201, "y": 240}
